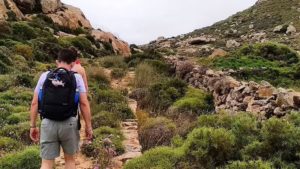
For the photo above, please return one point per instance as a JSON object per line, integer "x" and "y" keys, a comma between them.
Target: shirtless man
{"x": 80, "y": 70}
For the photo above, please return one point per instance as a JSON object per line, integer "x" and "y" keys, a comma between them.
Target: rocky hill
{"x": 267, "y": 20}
{"x": 66, "y": 19}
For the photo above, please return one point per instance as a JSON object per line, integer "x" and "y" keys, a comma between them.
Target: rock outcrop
{"x": 70, "y": 17}
{"x": 119, "y": 46}
{"x": 262, "y": 99}
{"x": 49, "y": 6}
{"x": 8, "y": 9}
{"x": 26, "y": 6}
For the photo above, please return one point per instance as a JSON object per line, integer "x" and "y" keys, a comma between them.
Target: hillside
{"x": 254, "y": 40}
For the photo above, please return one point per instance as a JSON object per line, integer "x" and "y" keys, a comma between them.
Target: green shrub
{"x": 18, "y": 132}
{"x": 158, "y": 158}
{"x": 26, "y": 159}
{"x": 17, "y": 96}
{"x": 113, "y": 62}
{"x": 145, "y": 75}
{"x": 156, "y": 132}
{"x": 5, "y": 29}
{"x": 5, "y": 82}
{"x": 8, "y": 145}
{"x": 196, "y": 101}
{"x": 5, "y": 55}
{"x": 79, "y": 42}
{"x": 159, "y": 66}
{"x": 104, "y": 118}
{"x": 17, "y": 118}
{"x": 162, "y": 95}
{"x": 209, "y": 147}
{"x": 138, "y": 58}
{"x": 98, "y": 75}
{"x": 118, "y": 73}
{"x": 24, "y": 50}
{"x": 249, "y": 165}
{"x": 24, "y": 80}
{"x": 23, "y": 31}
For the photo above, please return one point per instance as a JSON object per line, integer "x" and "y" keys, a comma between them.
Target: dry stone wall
{"x": 261, "y": 99}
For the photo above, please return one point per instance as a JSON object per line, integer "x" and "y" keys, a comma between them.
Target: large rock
{"x": 9, "y": 8}
{"x": 26, "y": 6}
{"x": 291, "y": 29}
{"x": 119, "y": 46}
{"x": 201, "y": 40}
{"x": 232, "y": 44}
{"x": 288, "y": 99}
{"x": 49, "y": 6}
{"x": 70, "y": 17}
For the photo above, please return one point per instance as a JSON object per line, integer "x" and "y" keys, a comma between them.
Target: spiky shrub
{"x": 156, "y": 132}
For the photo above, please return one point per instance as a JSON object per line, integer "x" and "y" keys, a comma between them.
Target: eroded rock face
{"x": 119, "y": 46}
{"x": 263, "y": 100}
{"x": 26, "y": 6}
{"x": 70, "y": 17}
{"x": 9, "y": 7}
{"x": 50, "y": 6}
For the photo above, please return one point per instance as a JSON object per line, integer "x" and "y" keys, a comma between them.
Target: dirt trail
{"x": 129, "y": 129}
{"x": 82, "y": 162}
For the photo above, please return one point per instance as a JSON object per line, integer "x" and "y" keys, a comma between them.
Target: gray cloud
{"x": 140, "y": 21}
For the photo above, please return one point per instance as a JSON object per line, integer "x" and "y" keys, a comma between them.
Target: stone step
{"x": 126, "y": 124}
{"x": 131, "y": 120}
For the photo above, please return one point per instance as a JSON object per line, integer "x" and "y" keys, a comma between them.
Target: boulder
{"x": 288, "y": 99}
{"x": 71, "y": 17}
{"x": 119, "y": 46}
{"x": 279, "y": 29}
{"x": 26, "y": 6}
{"x": 218, "y": 53}
{"x": 201, "y": 40}
{"x": 291, "y": 30}
{"x": 50, "y": 6}
{"x": 9, "y": 7}
{"x": 232, "y": 44}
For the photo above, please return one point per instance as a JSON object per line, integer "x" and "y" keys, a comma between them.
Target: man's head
{"x": 66, "y": 58}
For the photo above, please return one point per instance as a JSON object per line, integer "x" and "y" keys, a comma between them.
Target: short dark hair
{"x": 67, "y": 55}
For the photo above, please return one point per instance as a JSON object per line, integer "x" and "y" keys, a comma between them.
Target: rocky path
{"x": 129, "y": 129}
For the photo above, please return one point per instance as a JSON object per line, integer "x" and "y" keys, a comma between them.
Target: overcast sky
{"x": 140, "y": 21}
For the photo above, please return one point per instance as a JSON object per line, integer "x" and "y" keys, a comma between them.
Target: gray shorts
{"x": 56, "y": 134}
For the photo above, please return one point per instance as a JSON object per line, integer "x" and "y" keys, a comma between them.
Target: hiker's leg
{"x": 47, "y": 164}
{"x": 70, "y": 161}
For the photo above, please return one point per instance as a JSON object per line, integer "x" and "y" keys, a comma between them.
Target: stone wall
{"x": 262, "y": 99}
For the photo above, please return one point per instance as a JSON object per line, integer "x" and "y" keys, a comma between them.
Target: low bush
{"x": 17, "y": 118}
{"x": 24, "y": 80}
{"x": 16, "y": 96}
{"x": 5, "y": 56}
{"x": 145, "y": 75}
{"x": 79, "y": 42}
{"x": 97, "y": 75}
{"x": 196, "y": 101}
{"x": 23, "y": 31}
{"x": 249, "y": 165}
{"x": 26, "y": 159}
{"x": 104, "y": 118}
{"x": 159, "y": 158}
{"x": 18, "y": 132}
{"x": 138, "y": 58}
{"x": 9, "y": 145}
{"x": 6, "y": 81}
{"x": 162, "y": 95}
{"x": 156, "y": 132}
{"x": 113, "y": 62}
{"x": 24, "y": 50}
{"x": 118, "y": 73}
{"x": 209, "y": 147}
